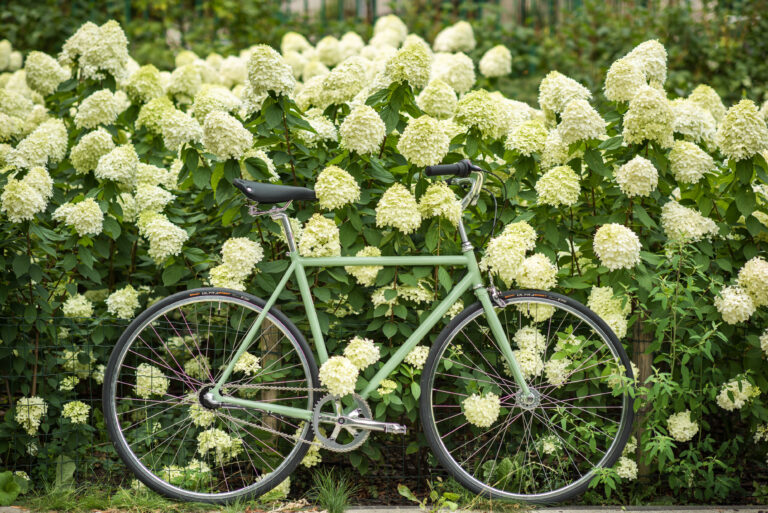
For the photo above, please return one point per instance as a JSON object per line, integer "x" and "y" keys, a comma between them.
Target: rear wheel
{"x": 539, "y": 449}
{"x": 166, "y": 431}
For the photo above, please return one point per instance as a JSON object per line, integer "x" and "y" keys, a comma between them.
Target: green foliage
{"x": 9, "y": 488}
{"x": 434, "y": 502}
{"x": 332, "y": 491}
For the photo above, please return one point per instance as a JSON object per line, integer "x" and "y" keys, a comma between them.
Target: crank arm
{"x": 372, "y": 425}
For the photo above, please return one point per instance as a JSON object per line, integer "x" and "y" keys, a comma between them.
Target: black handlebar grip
{"x": 458, "y": 169}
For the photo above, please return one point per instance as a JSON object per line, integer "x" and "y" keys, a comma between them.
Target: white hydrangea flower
{"x": 638, "y": 177}
{"x": 623, "y": 80}
{"x": 681, "y": 427}
{"x": 319, "y": 238}
{"x": 753, "y": 279}
{"x": 617, "y": 247}
{"x": 324, "y": 128}
{"x": 455, "y": 309}
{"x": 386, "y": 387}
{"x": 77, "y": 306}
{"x": 165, "y": 238}
{"x": 85, "y": 155}
{"x": 362, "y": 131}
{"x": 506, "y": 251}
{"x": 649, "y": 118}
{"x": 440, "y": 201}
{"x": 213, "y": 98}
{"x": 43, "y": 73}
{"x": 688, "y": 162}
{"x": 459, "y": 37}
{"x": 734, "y": 304}
{"x": 682, "y": 224}
{"x": 528, "y": 338}
{"x": 76, "y": 412}
{"x": 391, "y": 22}
{"x": 530, "y": 362}
{"x": 73, "y": 364}
{"x": 30, "y": 412}
{"x": 242, "y": 254}
{"x": 626, "y": 468}
{"x": 579, "y": 121}
{"x": 555, "y": 152}
{"x": 123, "y": 303}
{"x": 248, "y": 364}
{"x": 225, "y": 277}
{"x": 339, "y": 375}
{"x": 294, "y": 42}
{"x": 335, "y": 188}
{"x": 742, "y": 133}
{"x": 119, "y": 165}
{"x": 764, "y": 342}
{"x": 179, "y": 128}
{"x": 438, "y": 99}
{"x": 200, "y": 416}
{"x": 537, "y": 272}
{"x": 343, "y": 82}
{"x": 233, "y": 71}
{"x": 362, "y": 352}
{"x": 105, "y": 50}
{"x": 708, "y": 99}
{"x": 417, "y": 357}
{"x": 423, "y": 142}
{"x": 153, "y": 113}
{"x": 150, "y": 381}
{"x": 558, "y": 186}
{"x": 46, "y": 144}
{"x": 412, "y": 63}
{"x": 197, "y": 367}
{"x": 735, "y": 394}
{"x": 350, "y": 44}
{"x": 455, "y": 69}
{"x": 486, "y": 112}
{"x": 100, "y": 108}
{"x": 98, "y": 373}
{"x": 144, "y": 84}
{"x": 85, "y": 217}
{"x": 366, "y": 274}
{"x": 481, "y": 410}
{"x": 268, "y": 71}
{"x": 225, "y": 137}
{"x": 693, "y": 121}
{"x": 151, "y": 197}
{"x": 651, "y": 57}
{"x": 68, "y": 383}
{"x": 224, "y": 447}
{"x": 556, "y": 91}
{"x": 398, "y": 208}
{"x": 556, "y": 371}
{"x": 527, "y": 138}
{"x": 147, "y": 174}
{"x": 328, "y": 51}
{"x": 497, "y": 62}
{"x": 185, "y": 82}
{"x": 22, "y": 199}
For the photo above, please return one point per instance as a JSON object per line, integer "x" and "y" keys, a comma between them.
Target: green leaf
{"x": 643, "y": 216}
{"x": 612, "y": 143}
{"x": 112, "y": 227}
{"x": 273, "y": 115}
{"x": 445, "y": 279}
{"x": 389, "y": 329}
{"x": 744, "y": 171}
{"x": 415, "y": 390}
{"x": 20, "y": 264}
{"x": 9, "y": 488}
{"x": 191, "y": 160}
{"x": 745, "y": 202}
{"x": 173, "y": 274}
{"x": 217, "y": 175}
{"x": 594, "y": 160}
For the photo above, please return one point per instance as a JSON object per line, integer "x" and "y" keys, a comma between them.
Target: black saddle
{"x": 272, "y": 193}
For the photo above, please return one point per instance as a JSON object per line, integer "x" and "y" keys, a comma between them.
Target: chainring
{"x": 321, "y": 419}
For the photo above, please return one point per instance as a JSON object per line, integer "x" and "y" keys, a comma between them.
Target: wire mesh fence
{"x": 54, "y": 429}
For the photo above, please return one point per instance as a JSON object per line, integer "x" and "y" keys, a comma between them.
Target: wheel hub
{"x": 530, "y": 400}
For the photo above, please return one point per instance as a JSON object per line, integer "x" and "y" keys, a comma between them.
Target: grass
{"x": 332, "y": 491}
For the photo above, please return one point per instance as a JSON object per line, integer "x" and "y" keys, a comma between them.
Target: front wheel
{"x": 165, "y": 428}
{"x": 542, "y": 448}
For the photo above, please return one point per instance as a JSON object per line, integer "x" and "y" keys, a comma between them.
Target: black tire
{"x": 428, "y": 379}
{"x": 147, "y": 477}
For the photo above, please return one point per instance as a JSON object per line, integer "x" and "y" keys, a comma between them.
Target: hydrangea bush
{"x": 117, "y": 189}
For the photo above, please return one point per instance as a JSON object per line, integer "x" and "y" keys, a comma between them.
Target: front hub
{"x": 530, "y": 400}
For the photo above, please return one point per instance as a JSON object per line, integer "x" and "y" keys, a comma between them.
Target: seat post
{"x": 283, "y": 217}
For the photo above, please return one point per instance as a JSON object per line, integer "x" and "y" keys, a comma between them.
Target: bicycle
{"x": 189, "y": 431}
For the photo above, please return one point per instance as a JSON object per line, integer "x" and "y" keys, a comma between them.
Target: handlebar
{"x": 462, "y": 169}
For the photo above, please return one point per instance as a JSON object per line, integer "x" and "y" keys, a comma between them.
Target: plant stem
{"x": 288, "y": 147}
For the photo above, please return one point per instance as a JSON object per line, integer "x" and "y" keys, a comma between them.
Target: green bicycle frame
{"x": 473, "y": 280}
